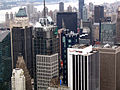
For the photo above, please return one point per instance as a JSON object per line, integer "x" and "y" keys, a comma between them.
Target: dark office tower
{"x": 98, "y": 13}
{"x": 21, "y": 64}
{"x": 68, "y": 39}
{"x": 69, "y": 19}
{"x": 118, "y": 27}
{"x": 21, "y": 40}
{"x": 5, "y": 60}
{"x": 81, "y": 4}
{"x": 109, "y": 68}
{"x": 61, "y": 7}
{"x": 45, "y": 41}
{"x": 83, "y": 68}
{"x": 46, "y": 50}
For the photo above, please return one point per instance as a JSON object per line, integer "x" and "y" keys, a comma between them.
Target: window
{"x": 64, "y": 44}
{"x": 69, "y": 45}
{"x": 76, "y": 40}
{"x": 64, "y": 51}
{"x": 69, "y": 41}
{"x": 63, "y": 39}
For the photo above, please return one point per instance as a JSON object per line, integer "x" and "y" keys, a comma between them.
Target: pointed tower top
{"x": 44, "y": 10}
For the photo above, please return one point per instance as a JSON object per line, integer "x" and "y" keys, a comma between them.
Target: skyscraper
{"x": 18, "y": 79}
{"x": 61, "y": 7}
{"x": 7, "y": 19}
{"x": 109, "y": 67}
{"x": 21, "y": 39}
{"x": 118, "y": 26}
{"x": 108, "y": 30}
{"x": 47, "y": 69}
{"x": 83, "y": 68}
{"x": 69, "y": 19}
{"x": 85, "y": 13}
{"x": 5, "y": 60}
{"x": 95, "y": 32}
{"x": 46, "y": 44}
{"x": 69, "y": 8}
{"x": 11, "y": 16}
{"x": 91, "y": 7}
{"x": 30, "y": 10}
{"x": 81, "y": 4}
{"x": 98, "y": 13}
{"x": 68, "y": 39}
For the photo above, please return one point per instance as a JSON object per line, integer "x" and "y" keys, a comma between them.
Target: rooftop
{"x": 106, "y": 46}
{"x": 21, "y": 13}
{"x": 80, "y": 46}
{"x": 45, "y": 23}
{"x": 3, "y": 34}
{"x": 72, "y": 34}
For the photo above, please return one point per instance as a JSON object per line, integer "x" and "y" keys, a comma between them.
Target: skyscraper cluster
{"x": 62, "y": 49}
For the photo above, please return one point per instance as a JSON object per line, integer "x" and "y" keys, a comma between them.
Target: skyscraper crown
{"x": 21, "y": 13}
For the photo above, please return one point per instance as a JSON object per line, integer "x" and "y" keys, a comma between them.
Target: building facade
{"x": 47, "y": 69}
{"x": 118, "y": 27}
{"x": 81, "y": 4}
{"x": 5, "y": 60}
{"x": 69, "y": 19}
{"x": 108, "y": 32}
{"x": 68, "y": 39}
{"x": 95, "y": 31}
{"x": 109, "y": 68}
{"x": 21, "y": 40}
{"x": 83, "y": 68}
{"x": 46, "y": 43}
{"x": 85, "y": 14}
{"x": 18, "y": 79}
{"x": 58, "y": 88}
{"x": 98, "y": 13}
{"x": 61, "y": 7}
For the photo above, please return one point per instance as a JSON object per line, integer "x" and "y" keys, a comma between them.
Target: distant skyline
{"x": 101, "y": 1}
{"x": 95, "y": 1}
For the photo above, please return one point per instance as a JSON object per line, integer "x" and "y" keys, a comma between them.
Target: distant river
{"x": 39, "y": 8}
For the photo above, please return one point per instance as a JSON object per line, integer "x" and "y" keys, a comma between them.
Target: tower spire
{"x": 44, "y": 10}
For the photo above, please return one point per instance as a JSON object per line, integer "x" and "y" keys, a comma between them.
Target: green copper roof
{"x": 21, "y": 13}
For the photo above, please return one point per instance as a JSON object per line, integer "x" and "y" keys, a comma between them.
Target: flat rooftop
{"x": 80, "y": 46}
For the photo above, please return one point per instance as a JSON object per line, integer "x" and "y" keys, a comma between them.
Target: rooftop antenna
{"x": 44, "y": 10}
{"x": 63, "y": 24}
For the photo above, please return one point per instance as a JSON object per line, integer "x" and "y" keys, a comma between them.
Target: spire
{"x": 44, "y": 10}
{"x": 63, "y": 24}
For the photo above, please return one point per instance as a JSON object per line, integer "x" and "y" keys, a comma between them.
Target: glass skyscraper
{"x": 5, "y": 60}
{"x": 81, "y": 4}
